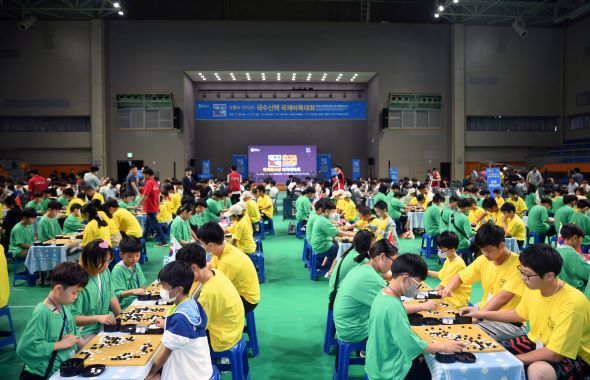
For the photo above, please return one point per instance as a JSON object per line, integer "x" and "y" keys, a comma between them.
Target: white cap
{"x": 347, "y": 194}
{"x": 246, "y": 194}
{"x": 234, "y": 210}
{"x": 337, "y": 193}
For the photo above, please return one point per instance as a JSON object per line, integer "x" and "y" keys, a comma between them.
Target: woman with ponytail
{"x": 96, "y": 228}
{"x": 358, "y": 253}
{"x": 104, "y": 214}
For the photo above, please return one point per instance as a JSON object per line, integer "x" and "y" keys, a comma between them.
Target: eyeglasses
{"x": 525, "y": 276}
{"x": 416, "y": 282}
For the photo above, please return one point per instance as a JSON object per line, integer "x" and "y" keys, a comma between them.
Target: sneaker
{"x": 327, "y": 275}
{"x": 161, "y": 245}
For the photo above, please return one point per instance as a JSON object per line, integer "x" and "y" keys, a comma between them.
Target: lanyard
{"x": 62, "y": 313}
{"x": 99, "y": 286}
{"x": 132, "y": 274}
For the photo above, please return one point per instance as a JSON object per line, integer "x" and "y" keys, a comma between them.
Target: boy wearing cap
{"x": 264, "y": 203}
{"x": 241, "y": 229}
{"x": 348, "y": 207}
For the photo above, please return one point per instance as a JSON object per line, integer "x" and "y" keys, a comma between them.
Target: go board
{"x": 143, "y": 315}
{"x": 443, "y": 309}
{"x": 473, "y": 336}
{"x": 119, "y": 350}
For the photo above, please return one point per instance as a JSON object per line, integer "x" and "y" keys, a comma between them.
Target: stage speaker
{"x": 371, "y": 161}
{"x": 192, "y": 163}
{"x": 177, "y": 118}
{"x": 384, "y": 118}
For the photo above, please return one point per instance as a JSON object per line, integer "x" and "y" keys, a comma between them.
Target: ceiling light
{"x": 441, "y": 8}
{"x": 456, "y": 1}
{"x": 121, "y": 13}
{"x": 116, "y": 4}
{"x": 436, "y": 15}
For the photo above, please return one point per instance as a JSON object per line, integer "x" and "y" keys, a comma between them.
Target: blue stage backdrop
{"x": 281, "y": 110}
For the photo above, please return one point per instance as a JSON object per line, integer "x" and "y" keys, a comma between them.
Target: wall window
{"x": 579, "y": 121}
{"x": 413, "y": 119}
{"x": 512, "y": 123}
{"x": 145, "y": 111}
{"x": 44, "y": 124}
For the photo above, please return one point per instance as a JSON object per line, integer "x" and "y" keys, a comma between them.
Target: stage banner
{"x": 356, "y": 169}
{"x": 393, "y": 174}
{"x": 281, "y": 110}
{"x": 324, "y": 166}
{"x": 494, "y": 179}
{"x": 241, "y": 162}
{"x": 206, "y": 169}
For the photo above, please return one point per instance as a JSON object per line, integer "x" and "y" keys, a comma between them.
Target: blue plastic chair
{"x": 258, "y": 245}
{"x": 330, "y": 334}
{"x": 11, "y": 339}
{"x": 215, "y": 375}
{"x": 306, "y": 254}
{"x": 261, "y": 233}
{"x": 299, "y": 233}
{"x": 250, "y": 330}
{"x": 537, "y": 237}
{"x": 316, "y": 269}
{"x": 238, "y": 361}
{"x": 23, "y": 275}
{"x": 116, "y": 257}
{"x": 143, "y": 257}
{"x": 427, "y": 246}
{"x": 268, "y": 226}
{"x": 343, "y": 359}
{"x": 466, "y": 254}
{"x": 258, "y": 261}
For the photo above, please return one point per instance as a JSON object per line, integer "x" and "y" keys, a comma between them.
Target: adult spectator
{"x": 36, "y": 184}
{"x": 534, "y": 177}
{"x": 572, "y": 185}
{"x": 188, "y": 182}
{"x": 91, "y": 179}
{"x": 151, "y": 205}
{"x": 338, "y": 180}
{"x": 131, "y": 182}
{"x": 234, "y": 180}
{"x": 578, "y": 176}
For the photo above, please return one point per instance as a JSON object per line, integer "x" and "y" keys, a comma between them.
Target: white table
{"x": 512, "y": 245}
{"x": 342, "y": 247}
{"x": 416, "y": 219}
{"x": 44, "y": 258}
{"x": 488, "y": 366}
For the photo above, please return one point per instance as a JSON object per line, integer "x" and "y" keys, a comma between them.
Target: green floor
{"x": 290, "y": 318}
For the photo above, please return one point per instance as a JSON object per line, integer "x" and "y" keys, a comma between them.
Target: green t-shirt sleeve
{"x": 119, "y": 281}
{"x": 404, "y": 337}
{"x": 331, "y": 230}
{"x": 577, "y": 267}
{"x": 33, "y": 348}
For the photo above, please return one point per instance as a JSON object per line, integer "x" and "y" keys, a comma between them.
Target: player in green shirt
{"x": 580, "y": 218}
{"x": 303, "y": 204}
{"x": 530, "y": 198}
{"x": 396, "y": 207}
{"x": 357, "y": 291}
{"x": 22, "y": 236}
{"x": 72, "y": 223}
{"x": 449, "y": 210}
{"x": 460, "y": 225}
{"x": 356, "y": 255}
{"x": 575, "y": 270}
{"x": 324, "y": 231}
{"x": 37, "y": 203}
{"x": 180, "y": 228}
{"x": 432, "y": 217}
{"x": 48, "y": 225}
{"x": 381, "y": 194}
{"x": 51, "y": 326}
{"x": 93, "y": 306}
{"x": 214, "y": 207}
{"x": 198, "y": 218}
{"x": 128, "y": 278}
{"x": 558, "y": 200}
{"x": 393, "y": 349}
{"x": 565, "y": 213}
{"x": 126, "y": 201}
{"x": 538, "y": 219}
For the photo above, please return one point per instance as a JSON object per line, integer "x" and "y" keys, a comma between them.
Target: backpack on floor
{"x": 292, "y": 229}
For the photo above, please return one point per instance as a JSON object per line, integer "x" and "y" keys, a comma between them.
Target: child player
{"x": 51, "y": 335}
{"x": 185, "y": 354}
{"x": 128, "y": 278}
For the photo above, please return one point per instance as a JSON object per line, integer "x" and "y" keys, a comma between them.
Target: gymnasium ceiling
{"x": 479, "y": 12}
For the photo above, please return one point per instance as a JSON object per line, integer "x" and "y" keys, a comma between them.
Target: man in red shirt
{"x": 37, "y": 183}
{"x": 151, "y": 205}
{"x": 234, "y": 181}
{"x": 338, "y": 180}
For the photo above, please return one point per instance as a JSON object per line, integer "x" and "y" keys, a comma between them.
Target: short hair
{"x": 421, "y": 186}
{"x": 219, "y": 193}
{"x": 38, "y": 195}
{"x": 10, "y": 201}
{"x": 211, "y": 232}
{"x": 484, "y": 192}
{"x": 569, "y": 198}
{"x": 319, "y": 204}
{"x": 188, "y": 169}
{"x": 111, "y": 202}
{"x": 570, "y": 230}
{"x": 309, "y": 190}
{"x": 193, "y": 254}
{"x": 488, "y": 203}
{"x": 201, "y": 202}
{"x": 130, "y": 244}
{"x": 583, "y": 203}
{"x": 329, "y": 205}
{"x": 541, "y": 258}
{"x": 177, "y": 273}
{"x": 448, "y": 239}
{"x": 126, "y": 194}
{"x": 489, "y": 234}
{"x": 453, "y": 198}
{"x": 511, "y": 192}
{"x": 420, "y": 197}
{"x": 437, "y": 198}
{"x": 409, "y": 263}
{"x": 381, "y": 205}
{"x": 508, "y": 207}
{"x": 54, "y": 205}
{"x": 464, "y": 203}
{"x": 234, "y": 167}
{"x": 546, "y": 201}
{"x": 93, "y": 256}
{"x": 68, "y": 274}
{"x": 94, "y": 168}
{"x": 364, "y": 211}
{"x": 148, "y": 171}
{"x": 261, "y": 188}
{"x": 29, "y": 212}
{"x": 69, "y": 192}
{"x": 497, "y": 191}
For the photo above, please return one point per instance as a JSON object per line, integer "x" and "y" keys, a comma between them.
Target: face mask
{"x": 165, "y": 295}
{"x": 411, "y": 291}
{"x": 441, "y": 254}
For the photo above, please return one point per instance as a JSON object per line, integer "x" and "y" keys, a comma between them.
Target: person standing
{"x": 36, "y": 184}
{"x": 188, "y": 183}
{"x": 91, "y": 179}
{"x": 234, "y": 180}
{"x": 131, "y": 181}
{"x": 338, "y": 180}
{"x": 534, "y": 177}
{"x": 436, "y": 179}
{"x": 151, "y": 205}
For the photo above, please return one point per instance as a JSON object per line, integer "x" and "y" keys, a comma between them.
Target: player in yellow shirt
{"x": 251, "y": 207}
{"x": 497, "y": 271}
{"x": 558, "y": 343}
{"x": 124, "y": 220}
{"x": 219, "y": 298}
{"x": 96, "y": 228}
{"x": 366, "y": 221}
{"x": 264, "y": 203}
{"x": 518, "y": 202}
{"x": 513, "y": 224}
{"x": 348, "y": 207}
{"x": 174, "y": 197}
{"x": 92, "y": 194}
{"x": 476, "y": 214}
{"x": 241, "y": 229}
{"x": 165, "y": 214}
{"x": 498, "y": 197}
{"x": 235, "y": 264}
{"x": 493, "y": 213}
{"x": 76, "y": 200}
{"x": 447, "y": 243}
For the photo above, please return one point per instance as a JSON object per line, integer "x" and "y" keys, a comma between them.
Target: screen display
{"x": 280, "y": 161}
